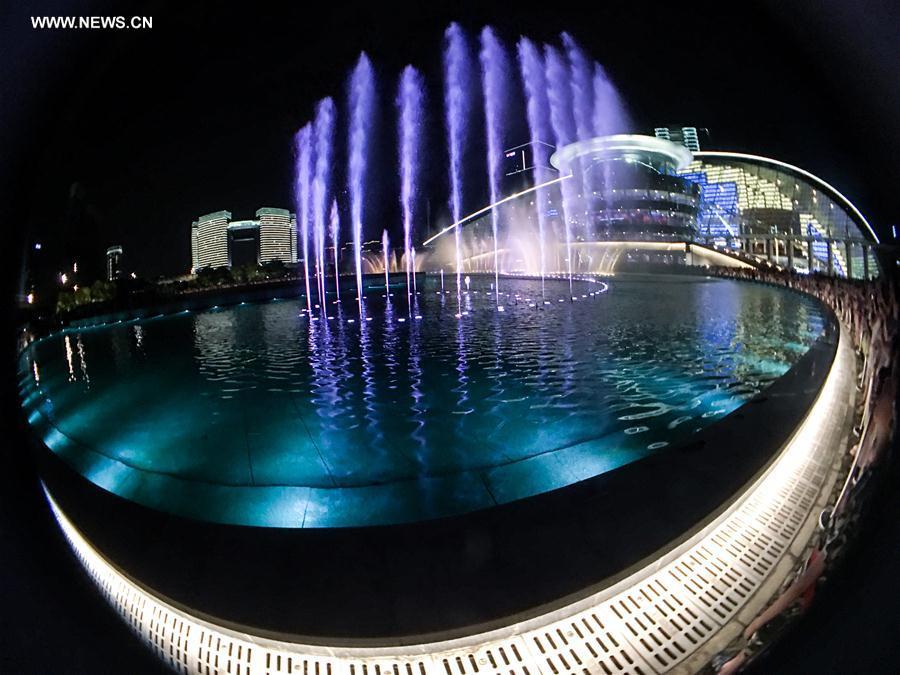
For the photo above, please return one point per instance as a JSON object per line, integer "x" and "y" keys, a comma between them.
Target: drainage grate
{"x": 653, "y": 625}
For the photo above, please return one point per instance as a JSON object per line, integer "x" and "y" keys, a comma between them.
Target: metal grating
{"x": 662, "y": 616}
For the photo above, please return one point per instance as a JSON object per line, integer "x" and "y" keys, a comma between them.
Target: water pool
{"x": 257, "y": 414}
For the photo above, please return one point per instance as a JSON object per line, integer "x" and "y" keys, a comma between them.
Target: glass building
{"x": 780, "y": 213}
{"x": 612, "y": 200}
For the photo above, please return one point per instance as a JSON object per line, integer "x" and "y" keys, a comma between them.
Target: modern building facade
{"x": 615, "y": 199}
{"x": 219, "y": 241}
{"x": 114, "y": 259}
{"x": 212, "y": 240}
{"x": 781, "y": 213}
{"x": 277, "y": 235}
{"x": 689, "y": 137}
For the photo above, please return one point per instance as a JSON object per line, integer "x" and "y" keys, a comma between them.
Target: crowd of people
{"x": 870, "y": 312}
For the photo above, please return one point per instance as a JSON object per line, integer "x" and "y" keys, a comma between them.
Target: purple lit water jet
{"x": 336, "y": 241}
{"x": 582, "y": 88}
{"x": 362, "y": 97}
{"x": 610, "y": 116}
{"x": 457, "y": 108}
{"x": 303, "y": 144}
{"x": 537, "y": 110}
{"x": 411, "y": 104}
{"x": 494, "y": 78}
{"x": 563, "y": 123}
{"x": 385, "y": 250}
{"x": 324, "y": 132}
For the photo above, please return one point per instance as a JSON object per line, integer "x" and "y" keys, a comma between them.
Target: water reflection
{"x": 270, "y": 395}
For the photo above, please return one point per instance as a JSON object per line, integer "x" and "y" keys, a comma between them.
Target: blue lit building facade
{"x": 780, "y": 213}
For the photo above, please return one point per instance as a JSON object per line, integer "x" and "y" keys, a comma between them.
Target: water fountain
{"x": 535, "y": 85}
{"x": 411, "y": 105}
{"x": 303, "y": 143}
{"x": 324, "y": 132}
{"x": 494, "y": 76}
{"x": 336, "y": 242}
{"x": 457, "y": 108}
{"x": 361, "y": 103}
{"x": 563, "y": 123}
{"x": 385, "y": 250}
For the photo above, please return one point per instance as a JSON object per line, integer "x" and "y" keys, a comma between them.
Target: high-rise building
{"x": 212, "y": 240}
{"x": 195, "y": 249}
{"x": 114, "y": 262}
{"x": 218, "y": 241}
{"x": 689, "y": 137}
{"x": 275, "y": 235}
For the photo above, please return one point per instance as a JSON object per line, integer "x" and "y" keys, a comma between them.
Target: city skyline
{"x": 182, "y": 173}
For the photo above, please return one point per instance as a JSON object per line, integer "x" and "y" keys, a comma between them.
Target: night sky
{"x": 127, "y": 136}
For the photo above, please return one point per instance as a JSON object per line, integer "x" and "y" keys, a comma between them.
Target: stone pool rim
{"x": 518, "y": 559}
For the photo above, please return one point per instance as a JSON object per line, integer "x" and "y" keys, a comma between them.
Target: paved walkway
{"x": 670, "y": 615}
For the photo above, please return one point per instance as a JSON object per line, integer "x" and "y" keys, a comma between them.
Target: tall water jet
{"x": 581, "y": 83}
{"x": 362, "y": 98}
{"x": 457, "y": 108}
{"x": 610, "y": 116}
{"x": 303, "y": 145}
{"x": 336, "y": 242}
{"x": 494, "y": 78}
{"x": 385, "y": 250}
{"x": 534, "y": 80}
{"x": 582, "y": 88}
{"x": 411, "y": 105}
{"x": 324, "y": 132}
{"x": 563, "y": 123}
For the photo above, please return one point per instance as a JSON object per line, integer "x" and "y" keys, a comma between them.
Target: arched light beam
{"x": 487, "y": 208}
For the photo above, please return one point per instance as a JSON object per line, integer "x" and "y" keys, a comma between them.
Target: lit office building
{"x": 195, "y": 249}
{"x": 219, "y": 241}
{"x": 276, "y": 238}
{"x": 114, "y": 263}
{"x": 689, "y": 137}
{"x": 212, "y": 240}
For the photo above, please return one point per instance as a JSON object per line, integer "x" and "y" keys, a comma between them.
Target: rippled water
{"x": 430, "y": 416}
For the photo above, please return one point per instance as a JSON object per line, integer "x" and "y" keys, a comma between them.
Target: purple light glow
{"x": 303, "y": 145}
{"x": 537, "y": 111}
{"x": 324, "y": 132}
{"x": 494, "y": 79}
{"x": 411, "y": 104}
{"x": 336, "y": 242}
{"x": 362, "y": 98}
{"x": 457, "y": 108}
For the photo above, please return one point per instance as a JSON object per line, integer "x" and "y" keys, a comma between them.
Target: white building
{"x": 277, "y": 240}
{"x": 212, "y": 240}
{"x": 214, "y": 235}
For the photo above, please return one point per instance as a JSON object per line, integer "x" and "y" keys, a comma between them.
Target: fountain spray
{"x": 457, "y": 108}
{"x": 385, "y": 250}
{"x": 532, "y": 69}
{"x": 563, "y": 123}
{"x": 303, "y": 144}
{"x": 362, "y": 95}
{"x": 410, "y": 102}
{"x": 494, "y": 77}
{"x": 336, "y": 241}
{"x": 324, "y": 132}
